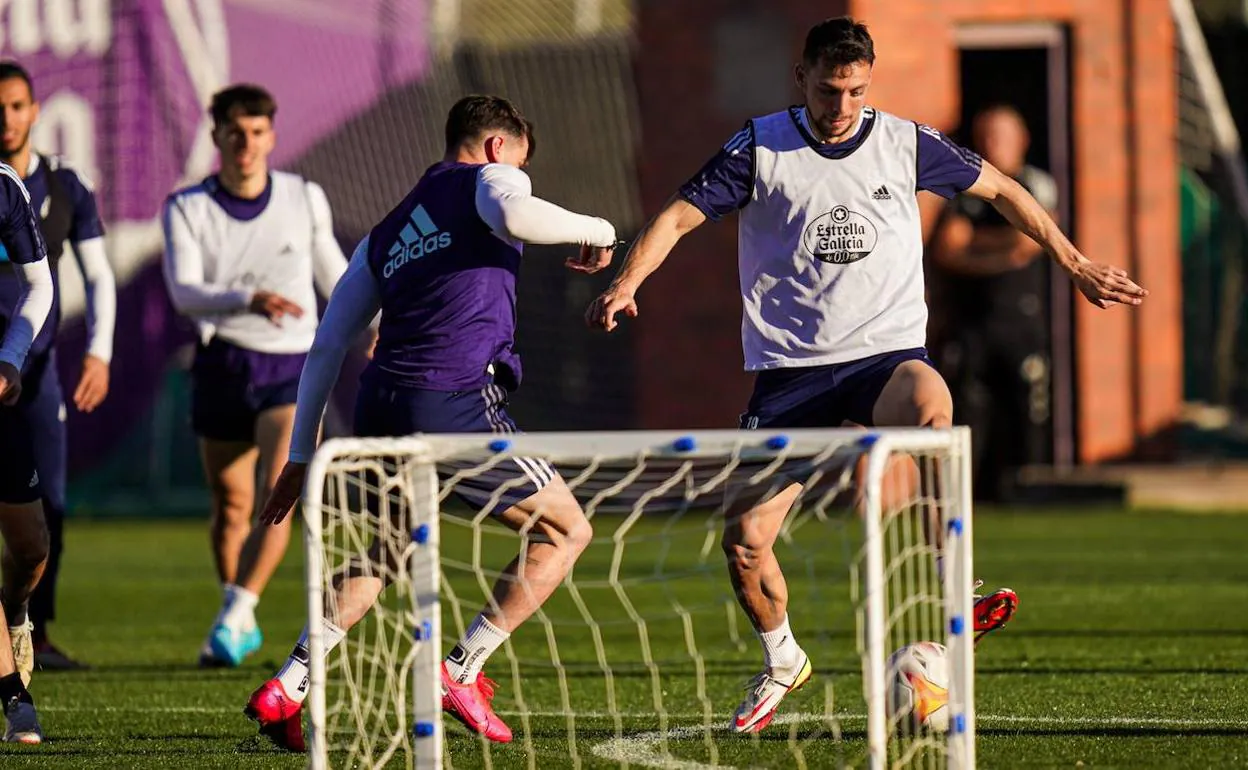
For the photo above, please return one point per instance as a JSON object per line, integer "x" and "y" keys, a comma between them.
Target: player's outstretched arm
{"x": 352, "y": 305}
{"x": 1102, "y": 284}
{"x": 505, "y": 202}
{"x": 657, "y": 239}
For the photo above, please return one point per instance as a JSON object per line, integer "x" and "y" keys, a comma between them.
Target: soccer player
{"x": 245, "y": 251}
{"x": 830, "y": 257}
{"x": 25, "y": 303}
{"x": 441, "y": 267}
{"x": 66, "y": 207}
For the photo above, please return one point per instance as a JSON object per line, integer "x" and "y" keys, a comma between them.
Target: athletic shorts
{"x": 231, "y": 386}
{"x": 383, "y": 410}
{"x": 823, "y": 396}
{"x": 19, "y": 430}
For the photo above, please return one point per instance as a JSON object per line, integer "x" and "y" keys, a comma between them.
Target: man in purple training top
{"x": 831, "y": 267}
{"x": 441, "y": 267}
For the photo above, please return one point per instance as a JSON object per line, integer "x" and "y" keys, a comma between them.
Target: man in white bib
{"x": 830, "y": 256}
{"x": 246, "y": 251}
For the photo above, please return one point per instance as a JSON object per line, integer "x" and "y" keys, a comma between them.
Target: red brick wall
{"x": 689, "y": 366}
{"x": 1128, "y": 361}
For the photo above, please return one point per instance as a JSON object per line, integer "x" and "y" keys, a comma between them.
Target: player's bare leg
{"x": 25, "y": 553}
{"x": 916, "y": 394}
{"x": 265, "y": 547}
{"x": 230, "y": 469}
{"x": 557, "y": 532}
{"x": 19, "y": 707}
{"x": 235, "y": 633}
{"x": 751, "y": 525}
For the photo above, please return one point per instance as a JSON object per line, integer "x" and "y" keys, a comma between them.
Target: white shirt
{"x": 830, "y": 249}
{"x": 214, "y": 263}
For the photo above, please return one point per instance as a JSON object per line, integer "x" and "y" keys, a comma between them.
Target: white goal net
{"x": 640, "y": 657}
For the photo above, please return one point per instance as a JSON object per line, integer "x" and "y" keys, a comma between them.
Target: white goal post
{"x": 647, "y": 615}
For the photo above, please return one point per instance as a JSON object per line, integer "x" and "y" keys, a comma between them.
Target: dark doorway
{"x": 1026, "y": 67}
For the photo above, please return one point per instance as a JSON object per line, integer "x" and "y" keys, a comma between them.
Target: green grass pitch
{"x": 1130, "y": 649}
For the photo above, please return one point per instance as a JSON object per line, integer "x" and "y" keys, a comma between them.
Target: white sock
{"x": 238, "y": 612}
{"x": 294, "y": 674}
{"x": 780, "y": 650}
{"x": 466, "y": 659}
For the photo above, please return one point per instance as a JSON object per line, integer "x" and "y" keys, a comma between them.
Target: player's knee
{"x": 579, "y": 535}
{"x": 742, "y": 558}
{"x": 742, "y": 552}
{"x": 29, "y": 549}
{"x": 936, "y": 415}
{"x": 232, "y": 511}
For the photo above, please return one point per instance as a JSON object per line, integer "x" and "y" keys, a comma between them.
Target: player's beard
{"x": 832, "y": 131}
{"x": 23, "y": 142}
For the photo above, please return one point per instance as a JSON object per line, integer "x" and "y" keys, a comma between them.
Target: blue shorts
{"x": 383, "y": 410}
{"x": 231, "y": 386}
{"x": 21, "y": 431}
{"x": 823, "y": 396}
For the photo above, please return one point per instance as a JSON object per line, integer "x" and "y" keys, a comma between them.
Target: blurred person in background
{"x": 64, "y": 202}
{"x": 246, "y": 251}
{"x": 995, "y": 297}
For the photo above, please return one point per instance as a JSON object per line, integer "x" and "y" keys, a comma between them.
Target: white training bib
{"x": 831, "y": 249}
{"x": 272, "y": 252}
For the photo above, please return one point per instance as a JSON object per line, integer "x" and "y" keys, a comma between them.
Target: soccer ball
{"x": 918, "y": 688}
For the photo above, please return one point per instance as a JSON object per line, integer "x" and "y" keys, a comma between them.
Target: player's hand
{"x": 286, "y": 492}
{"x": 601, "y": 312}
{"x": 370, "y": 345}
{"x": 10, "y": 383}
{"x": 591, "y": 259}
{"x": 92, "y": 385}
{"x": 273, "y": 306}
{"x": 1104, "y": 285}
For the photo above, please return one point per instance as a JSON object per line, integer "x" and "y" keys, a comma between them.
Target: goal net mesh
{"x": 641, "y": 656}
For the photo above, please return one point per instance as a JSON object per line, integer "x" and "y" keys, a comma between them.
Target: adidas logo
{"x": 418, "y": 238}
{"x": 288, "y": 249}
{"x": 882, "y": 194}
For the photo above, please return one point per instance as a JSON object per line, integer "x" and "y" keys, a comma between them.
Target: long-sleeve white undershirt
{"x": 101, "y": 289}
{"x": 30, "y": 313}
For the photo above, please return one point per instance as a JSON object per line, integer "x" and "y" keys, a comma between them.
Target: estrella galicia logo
{"x": 840, "y": 236}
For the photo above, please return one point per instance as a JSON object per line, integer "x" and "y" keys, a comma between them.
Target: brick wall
{"x": 1128, "y": 361}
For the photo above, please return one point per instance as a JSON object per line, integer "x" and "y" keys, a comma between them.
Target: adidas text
{"x": 416, "y": 250}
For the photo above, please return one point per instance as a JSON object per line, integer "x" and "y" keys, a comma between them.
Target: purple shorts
{"x": 231, "y": 386}
{"x": 823, "y": 396}
{"x": 383, "y": 410}
{"x": 21, "y": 430}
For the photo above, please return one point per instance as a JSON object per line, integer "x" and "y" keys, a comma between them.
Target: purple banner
{"x": 124, "y": 87}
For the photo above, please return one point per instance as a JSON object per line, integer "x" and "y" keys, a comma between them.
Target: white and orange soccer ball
{"x": 918, "y": 688}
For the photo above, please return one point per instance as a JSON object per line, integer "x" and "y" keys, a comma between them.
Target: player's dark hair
{"x": 476, "y": 115}
{"x": 11, "y": 69}
{"x": 254, "y": 100}
{"x": 838, "y": 43}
